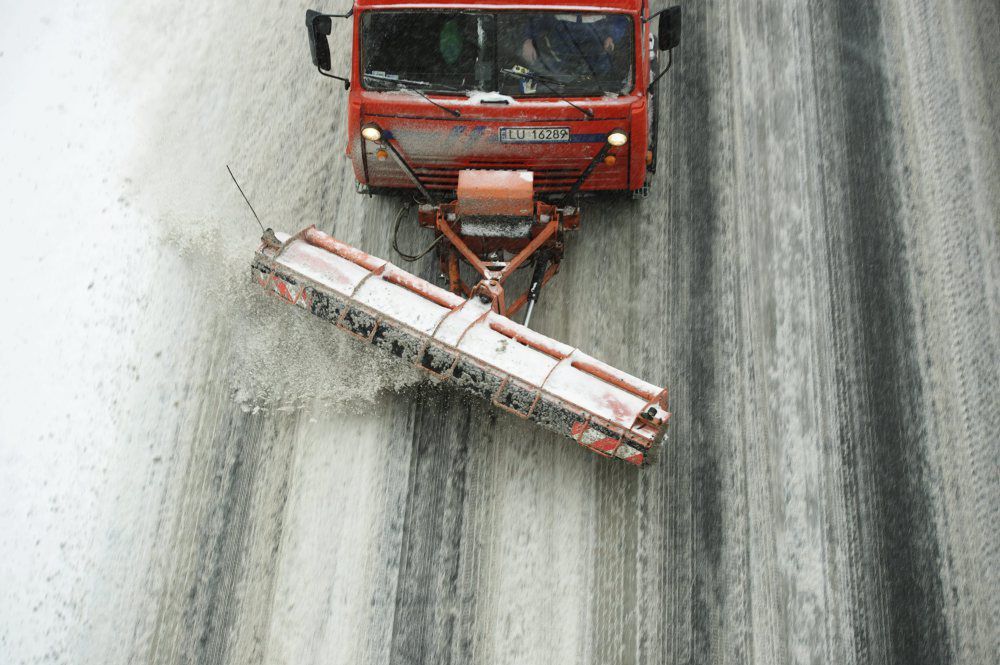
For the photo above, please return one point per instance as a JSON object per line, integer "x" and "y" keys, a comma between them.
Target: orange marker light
{"x": 610, "y": 160}
{"x": 381, "y": 154}
{"x": 649, "y": 157}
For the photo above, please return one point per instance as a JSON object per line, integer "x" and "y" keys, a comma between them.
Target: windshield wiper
{"x": 403, "y": 84}
{"x": 548, "y": 83}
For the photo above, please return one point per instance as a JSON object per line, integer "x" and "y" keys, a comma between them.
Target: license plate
{"x": 534, "y": 134}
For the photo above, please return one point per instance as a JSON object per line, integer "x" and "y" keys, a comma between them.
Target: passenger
{"x": 458, "y": 53}
{"x": 575, "y": 44}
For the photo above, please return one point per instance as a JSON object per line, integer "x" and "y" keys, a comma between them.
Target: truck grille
{"x": 551, "y": 175}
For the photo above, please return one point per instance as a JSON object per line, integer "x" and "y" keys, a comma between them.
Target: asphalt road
{"x": 815, "y": 276}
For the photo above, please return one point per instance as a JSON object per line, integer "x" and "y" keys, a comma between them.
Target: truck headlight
{"x": 371, "y": 133}
{"x": 617, "y": 138}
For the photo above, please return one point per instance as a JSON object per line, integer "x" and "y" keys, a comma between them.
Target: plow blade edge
{"x": 465, "y": 343}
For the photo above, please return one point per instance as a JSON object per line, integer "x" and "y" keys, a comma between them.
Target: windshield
{"x": 541, "y": 54}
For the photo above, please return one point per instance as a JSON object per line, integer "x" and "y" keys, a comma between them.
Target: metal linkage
{"x": 494, "y": 274}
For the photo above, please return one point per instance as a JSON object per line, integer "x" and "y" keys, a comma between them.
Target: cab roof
{"x": 582, "y": 5}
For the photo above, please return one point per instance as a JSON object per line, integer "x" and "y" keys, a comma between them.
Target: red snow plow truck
{"x": 499, "y": 118}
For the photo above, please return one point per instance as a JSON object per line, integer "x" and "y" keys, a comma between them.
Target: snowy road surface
{"x": 192, "y": 473}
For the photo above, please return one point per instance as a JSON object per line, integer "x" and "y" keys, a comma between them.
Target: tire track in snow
{"x": 946, "y": 151}
{"x": 428, "y": 607}
{"x": 225, "y": 530}
{"x": 700, "y": 411}
{"x": 890, "y": 517}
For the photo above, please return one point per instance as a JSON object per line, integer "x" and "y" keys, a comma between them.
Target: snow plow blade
{"x": 466, "y": 343}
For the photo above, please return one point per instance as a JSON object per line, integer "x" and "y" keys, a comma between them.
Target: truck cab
{"x": 565, "y": 91}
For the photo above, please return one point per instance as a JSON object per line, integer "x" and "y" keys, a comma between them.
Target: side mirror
{"x": 669, "y": 28}
{"x": 320, "y": 26}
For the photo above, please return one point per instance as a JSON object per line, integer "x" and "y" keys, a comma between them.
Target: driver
{"x": 560, "y": 41}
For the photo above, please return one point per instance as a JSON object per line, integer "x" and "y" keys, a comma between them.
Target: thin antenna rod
{"x": 245, "y": 199}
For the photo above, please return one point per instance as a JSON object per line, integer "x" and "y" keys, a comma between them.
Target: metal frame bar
{"x": 522, "y": 256}
{"x": 523, "y": 298}
{"x": 386, "y": 143}
{"x": 670, "y": 62}
{"x": 459, "y": 244}
{"x": 602, "y": 153}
